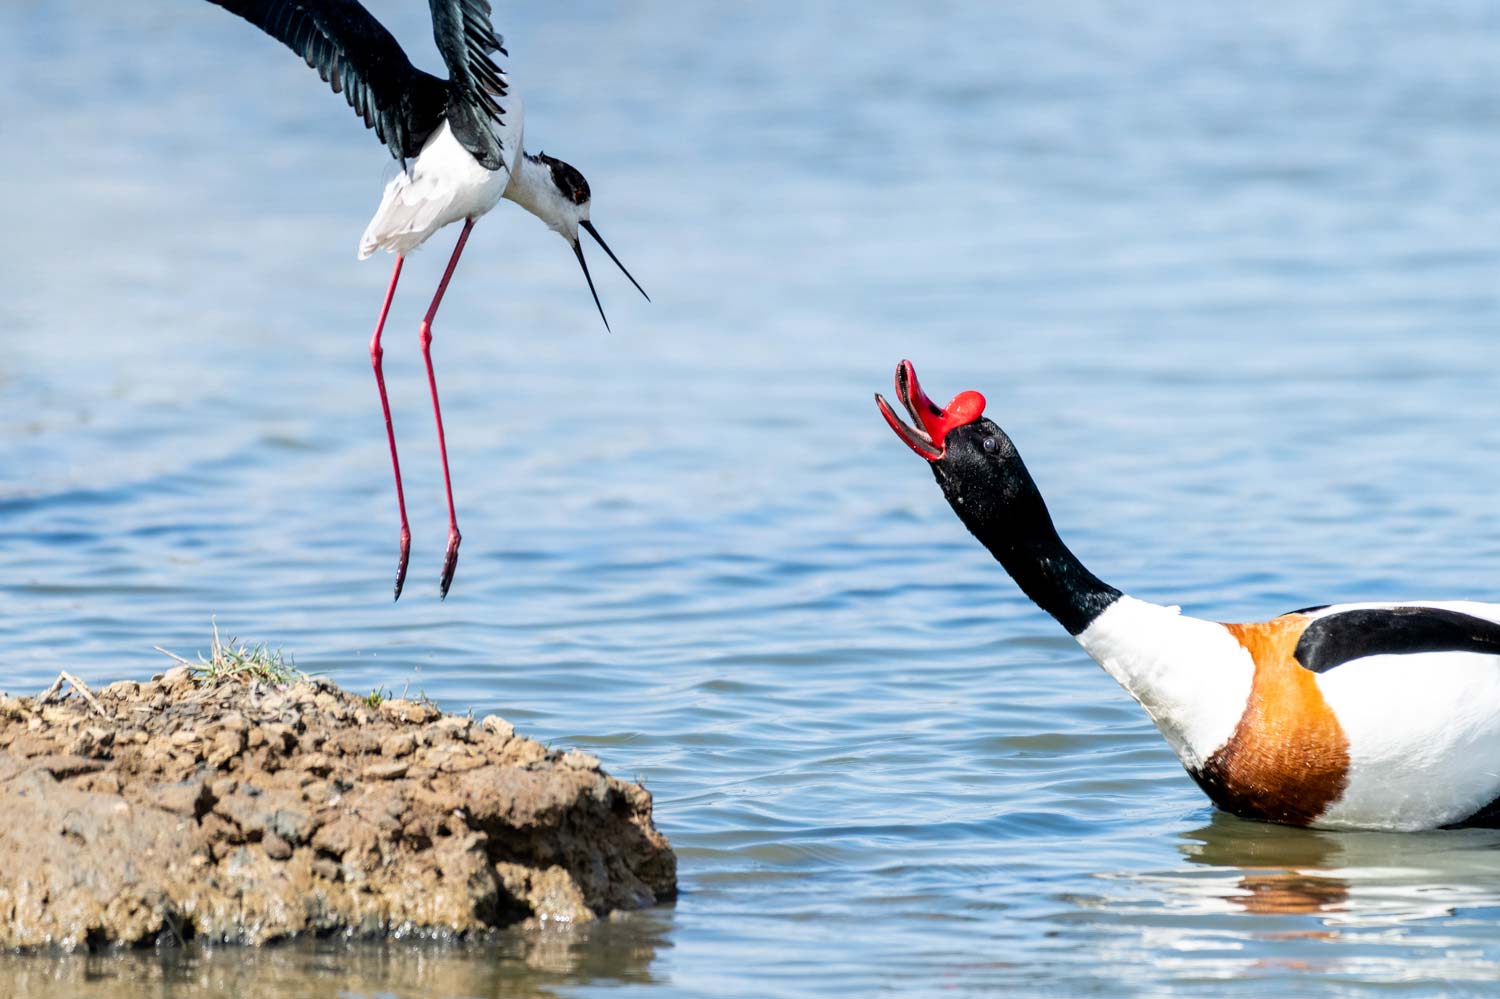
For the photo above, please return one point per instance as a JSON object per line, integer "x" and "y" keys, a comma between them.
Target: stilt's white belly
{"x": 446, "y": 184}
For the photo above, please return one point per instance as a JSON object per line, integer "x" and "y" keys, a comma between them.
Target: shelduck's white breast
{"x": 1190, "y": 675}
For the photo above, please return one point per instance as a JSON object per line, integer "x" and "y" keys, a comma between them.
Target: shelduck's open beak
{"x": 588, "y": 227}
{"x": 928, "y": 432}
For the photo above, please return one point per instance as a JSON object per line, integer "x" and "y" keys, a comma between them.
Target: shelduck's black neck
{"x": 1055, "y": 580}
{"x": 1001, "y": 506}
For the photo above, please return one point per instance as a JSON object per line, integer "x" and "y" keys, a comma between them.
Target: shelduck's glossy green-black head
{"x": 988, "y": 486}
{"x": 974, "y": 461}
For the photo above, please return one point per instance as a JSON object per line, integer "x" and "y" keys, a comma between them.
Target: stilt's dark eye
{"x": 991, "y": 445}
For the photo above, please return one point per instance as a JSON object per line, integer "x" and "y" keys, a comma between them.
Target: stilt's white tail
{"x": 409, "y": 212}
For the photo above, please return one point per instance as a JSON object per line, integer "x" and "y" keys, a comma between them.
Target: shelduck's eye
{"x": 990, "y": 445}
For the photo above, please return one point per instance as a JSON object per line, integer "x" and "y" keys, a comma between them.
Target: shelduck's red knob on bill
{"x": 930, "y": 424}
{"x": 1380, "y": 715}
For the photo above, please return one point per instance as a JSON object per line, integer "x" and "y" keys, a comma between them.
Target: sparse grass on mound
{"x": 236, "y": 661}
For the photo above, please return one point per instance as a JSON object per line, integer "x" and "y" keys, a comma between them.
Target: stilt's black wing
{"x": 466, "y": 38}
{"x": 356, "y": 55}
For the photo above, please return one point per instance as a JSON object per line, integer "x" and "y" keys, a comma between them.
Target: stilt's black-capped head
{"x": 988, "y": 486}
{"x": 569, "y": 212}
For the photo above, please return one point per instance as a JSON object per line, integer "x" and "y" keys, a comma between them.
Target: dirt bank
{"x": 181, "y": 808}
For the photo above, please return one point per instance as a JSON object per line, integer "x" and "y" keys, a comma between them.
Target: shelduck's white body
{"x": 1420, "y": 730}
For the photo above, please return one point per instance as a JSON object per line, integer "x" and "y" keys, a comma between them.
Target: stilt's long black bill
{"x": 578, "y": 250}
{"x": 589, "y": 227}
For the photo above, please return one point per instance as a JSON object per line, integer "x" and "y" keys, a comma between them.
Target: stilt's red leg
{"x": 376, "y": 354}
{"x": 450, "y": 559}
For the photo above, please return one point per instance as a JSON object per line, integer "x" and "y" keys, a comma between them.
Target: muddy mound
{"x": 227, "y": 811}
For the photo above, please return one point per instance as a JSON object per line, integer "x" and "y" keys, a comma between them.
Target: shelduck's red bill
{"x": 929, "y": 428}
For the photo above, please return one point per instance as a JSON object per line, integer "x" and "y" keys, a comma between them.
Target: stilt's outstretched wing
{"x": 361, "y": 60}
{"x": 466, "y": 38}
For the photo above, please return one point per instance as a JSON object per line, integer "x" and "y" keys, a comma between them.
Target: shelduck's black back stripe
{"x": 355, "y": 55}
{"x": 1339, "y": 638}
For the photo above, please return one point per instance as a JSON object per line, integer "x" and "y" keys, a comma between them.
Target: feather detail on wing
{"x": 466, "y": 38}
{"x": 358, "y": 58}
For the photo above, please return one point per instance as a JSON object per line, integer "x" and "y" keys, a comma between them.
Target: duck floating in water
{"x": 1348, "y": 716}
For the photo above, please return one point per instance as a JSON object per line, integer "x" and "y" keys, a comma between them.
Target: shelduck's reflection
{"x": 1347, "y": 877}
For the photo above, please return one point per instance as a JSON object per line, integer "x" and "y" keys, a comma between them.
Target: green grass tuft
{"x": 236, "y": 661}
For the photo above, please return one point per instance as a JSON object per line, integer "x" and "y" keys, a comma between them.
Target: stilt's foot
{"x": 450, "y": 562}
{"x": 401, "y": 567}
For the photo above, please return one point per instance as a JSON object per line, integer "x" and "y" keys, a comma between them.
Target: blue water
{"x": 1228, "y": 274}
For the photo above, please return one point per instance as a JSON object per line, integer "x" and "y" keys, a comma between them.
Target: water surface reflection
{"x": 1360, "y": 878}
{"x": 1259, "y": 900}
{"x": 513, "y": 966}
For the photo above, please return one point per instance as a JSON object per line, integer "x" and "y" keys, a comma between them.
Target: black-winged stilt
{"x": 459, "y": 143}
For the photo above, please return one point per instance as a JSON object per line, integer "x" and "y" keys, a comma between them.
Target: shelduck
{"x": 1348, "y": 716}
{"x": 458, "y": 141}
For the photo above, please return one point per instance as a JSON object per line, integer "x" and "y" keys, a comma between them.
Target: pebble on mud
{"x": 181, "y": 809}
